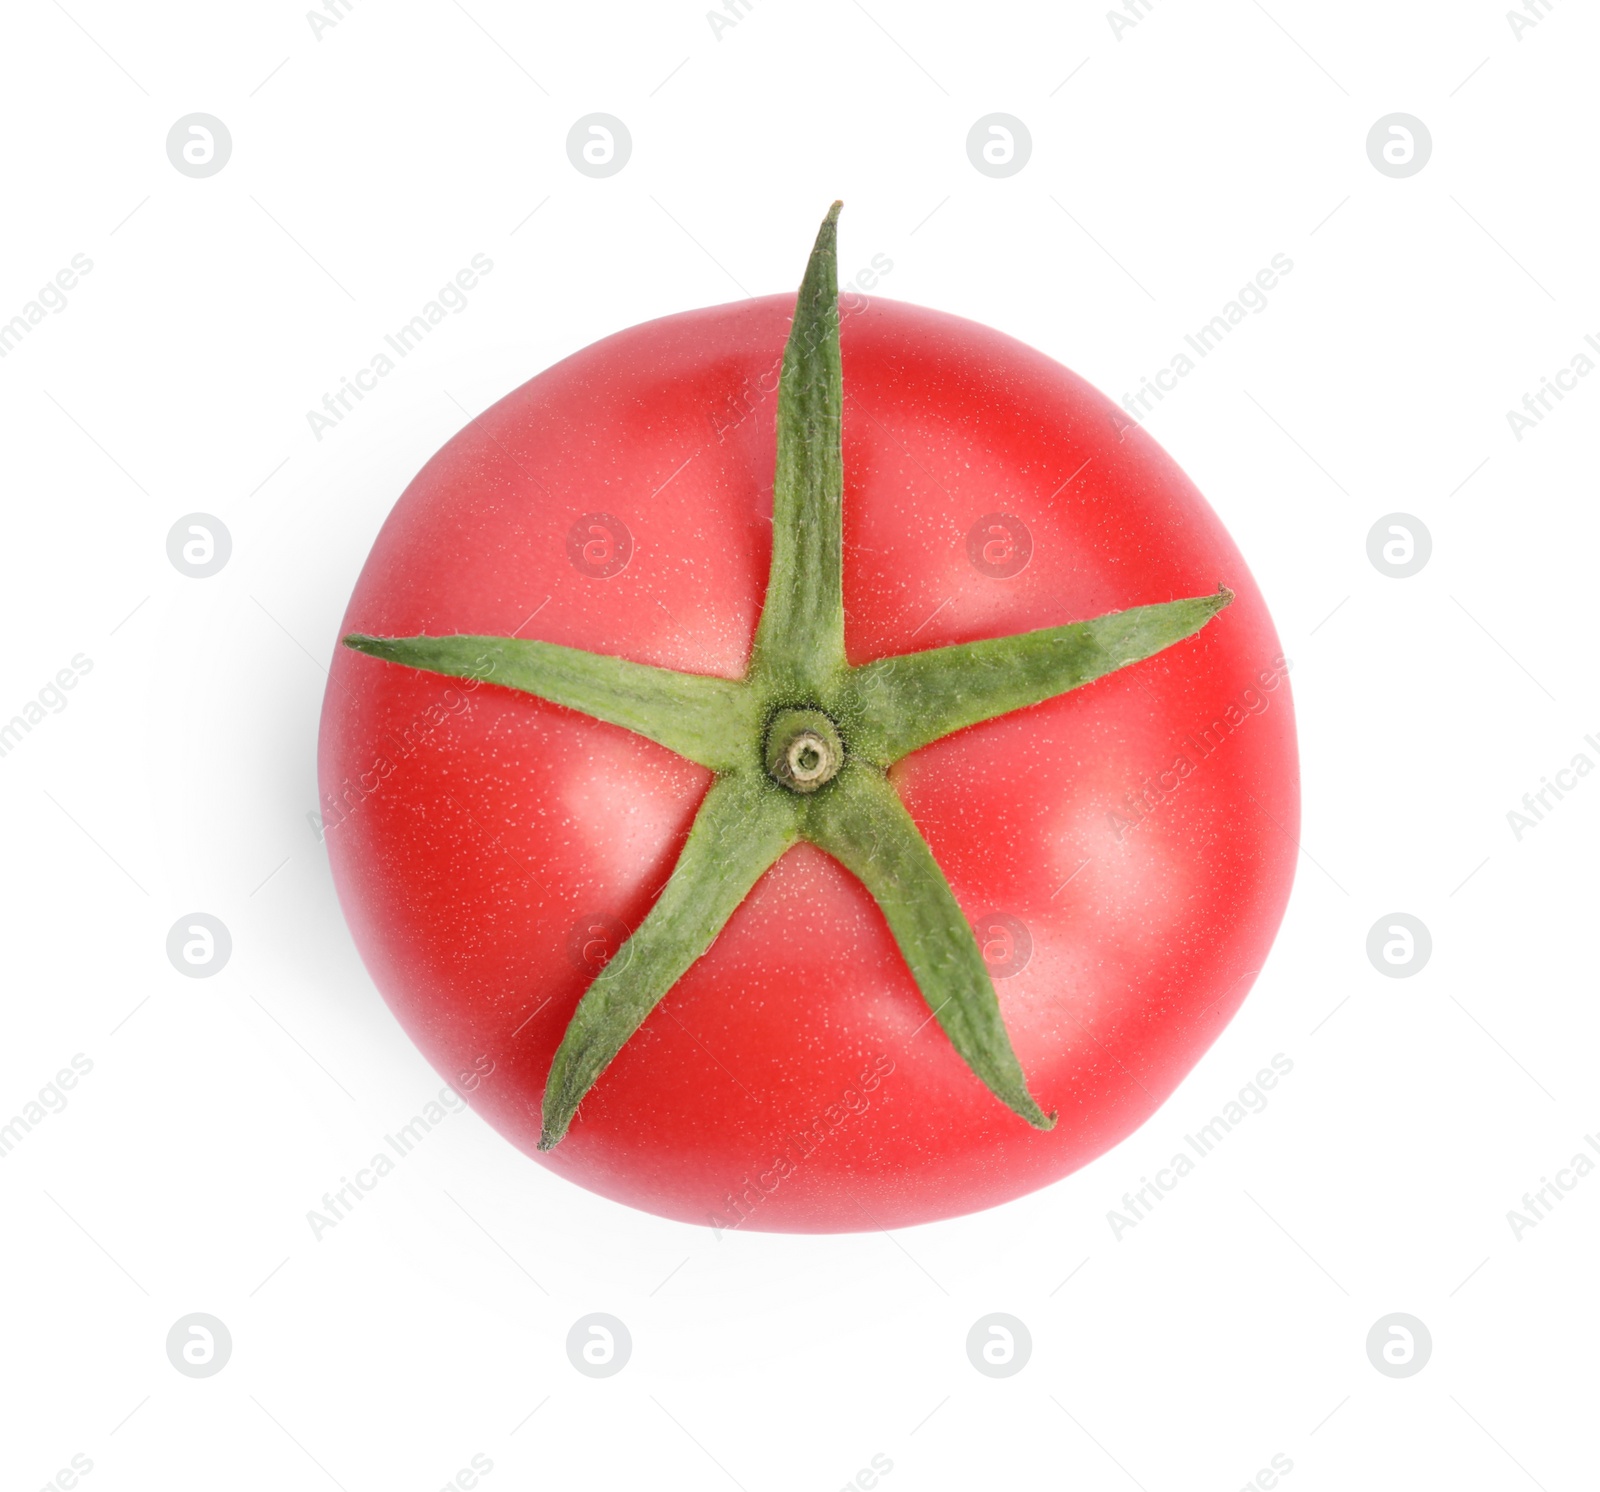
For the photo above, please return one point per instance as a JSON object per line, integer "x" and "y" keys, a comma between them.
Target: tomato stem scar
{"x": 804, "y": 752}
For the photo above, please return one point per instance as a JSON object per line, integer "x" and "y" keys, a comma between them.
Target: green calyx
{"x": 801, "y": 745}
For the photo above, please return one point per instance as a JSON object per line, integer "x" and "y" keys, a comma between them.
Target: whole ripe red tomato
{"x": 1122, "y": 852}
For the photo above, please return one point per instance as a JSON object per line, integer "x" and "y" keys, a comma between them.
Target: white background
{"x": 368, "y": 166}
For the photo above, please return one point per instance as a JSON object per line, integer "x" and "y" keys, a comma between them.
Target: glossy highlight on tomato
{"x": 1123, "y": 852}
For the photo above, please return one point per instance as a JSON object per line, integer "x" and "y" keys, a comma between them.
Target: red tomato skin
{"x": 792, "y": 1080}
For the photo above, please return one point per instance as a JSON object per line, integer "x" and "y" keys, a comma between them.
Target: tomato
{"x": 1123, "y": 852}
